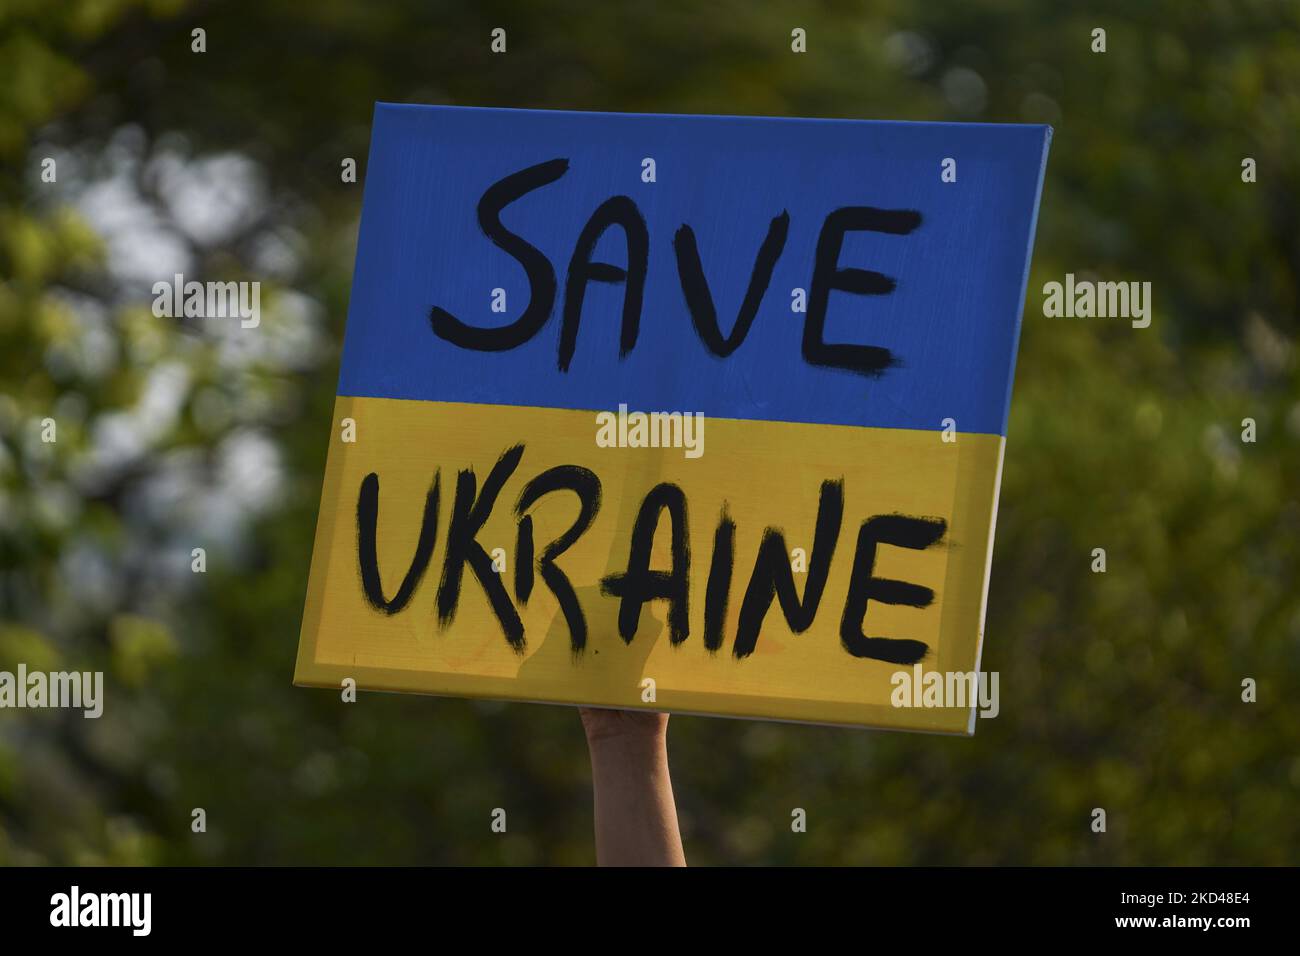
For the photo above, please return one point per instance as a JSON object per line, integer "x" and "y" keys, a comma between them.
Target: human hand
{"x": 602, "y": 724}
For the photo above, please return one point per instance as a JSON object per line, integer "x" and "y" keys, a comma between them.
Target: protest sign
{"x": 699, "y": 414}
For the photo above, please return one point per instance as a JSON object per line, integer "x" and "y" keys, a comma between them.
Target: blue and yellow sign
{"x": 698, "y": 414}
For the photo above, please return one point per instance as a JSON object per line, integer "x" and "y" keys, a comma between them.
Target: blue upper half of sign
{"x": 893, "y": 297}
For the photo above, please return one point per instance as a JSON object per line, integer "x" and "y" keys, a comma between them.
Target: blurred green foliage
{"x": 1120, "y": 690}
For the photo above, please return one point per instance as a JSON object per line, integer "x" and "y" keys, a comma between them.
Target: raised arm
{"x": 636, "y": 818}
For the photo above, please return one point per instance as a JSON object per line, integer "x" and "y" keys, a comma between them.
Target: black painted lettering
{"x": 469, "y": 513}
{"x": 583, "y": 483}
{"x": 618, "y": 211}
{"x": 367, "y": 551}
{"x": 829, "y": 277}
{"x": 904, "y": 532}
{"x": 772, "y": 574}
{"x": 639, "y": 584}
{"x": 541, "y": 276}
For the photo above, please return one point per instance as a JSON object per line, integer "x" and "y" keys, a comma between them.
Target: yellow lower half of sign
{"x": 765, "y": 475}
